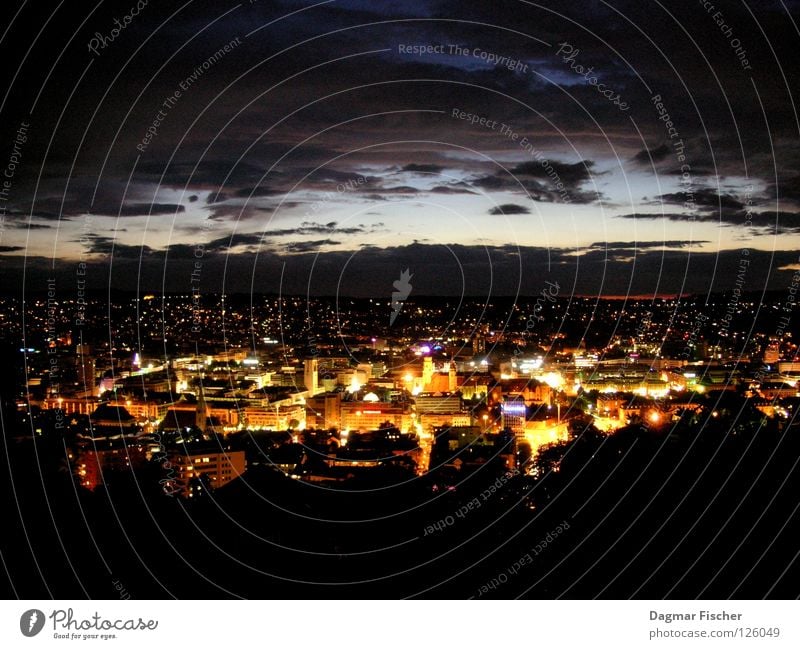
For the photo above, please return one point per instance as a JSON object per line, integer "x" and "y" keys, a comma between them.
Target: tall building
{"x": 427, "y": 370}
{"x": 201, "y": 411}
{"x": 311, "y": 375}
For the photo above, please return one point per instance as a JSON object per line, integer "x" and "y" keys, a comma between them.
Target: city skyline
{"x": 345, "y": 441}
{"x": 383, "y": 299}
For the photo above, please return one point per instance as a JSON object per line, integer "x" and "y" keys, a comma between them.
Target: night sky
{"x": 616, "y": 148}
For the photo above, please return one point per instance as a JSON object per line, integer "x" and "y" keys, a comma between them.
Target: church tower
{"x": 201, "y": 412}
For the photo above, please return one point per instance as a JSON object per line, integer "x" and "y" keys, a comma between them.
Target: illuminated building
{"x": 311, "y": 375}
{"x": 352, "y": 379}
{"x": 473, "y": 386}
{"x": 544, "y": 432}
{"x": 218, "y": 466}
{"x": 360, "y": 415}
{"x": 608, "y": 405}
{"x": 645, "y": 386}
{"x": 514, "y": 412}
{"x": 154, "y": 407}
{"x": 287, "y": 377}
{"x": 278, "y": 417}
{"x": 529, "y": 391}
{"x": 772, "y": 390}
{"x": 230, "y": 356}
{"x": 791, "y": 369}
{"x": 452, "y": 377}
{"x": 772, "y": 353}
{"x": 428, "y": 402}
{"x": 324, "y": 410}
{"x": 259, "y": 378}
{"x": 367, "y": 370}
{"x": 201, "y": 410}
{"x": 72, "y": 405}
{"x": 427, "y": 371}
{"x": 111, "y": 420}
{"x": 92, "y": 465}
{"x": 85, "y": 366}
{"x": 218, "y": 413}
{"x": 431, "y": 420}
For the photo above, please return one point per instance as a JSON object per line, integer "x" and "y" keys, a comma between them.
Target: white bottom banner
{"x": 353, "y": 624}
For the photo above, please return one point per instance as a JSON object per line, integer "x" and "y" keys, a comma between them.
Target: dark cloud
{"x": 237, "y": 210}
{"x": 217, "y": 197}
{"x": 102, "y": 245}
{"x": 704, "y": 199}
{"x": 545, "y": 184}
{"x": 492, "y": 182}
{"x": 235, "y": 240}
{"x": 759, "y": 223}
{"x": 703, "y": 159}
{"x": 256, "y": 192}
{"x": 237, "y": 243}
{"x": 772, "y": 222}
{"x": 456, "y": 188}
{"x": 572, "y": 175}
{"x": 655, "y": 155}
{"x": 24, "y": 225}
{"x": 642, "y": 245}
{"x": 308, "y": 246}
{"x": 216, "y": 174}
{"x": 347, "y": 179}
{"x": 787, "y": 188}
{"x": 398, "y": 189}
{"x": 509, "y": 208}
{"x": 84, "y": 195}
{"x": 311, "y": 227}
{"x": 423, "y": 168}
{"x": 670, "y": 216}
{"x": 251, "y": 242}
{"x": 153, "y": 209}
